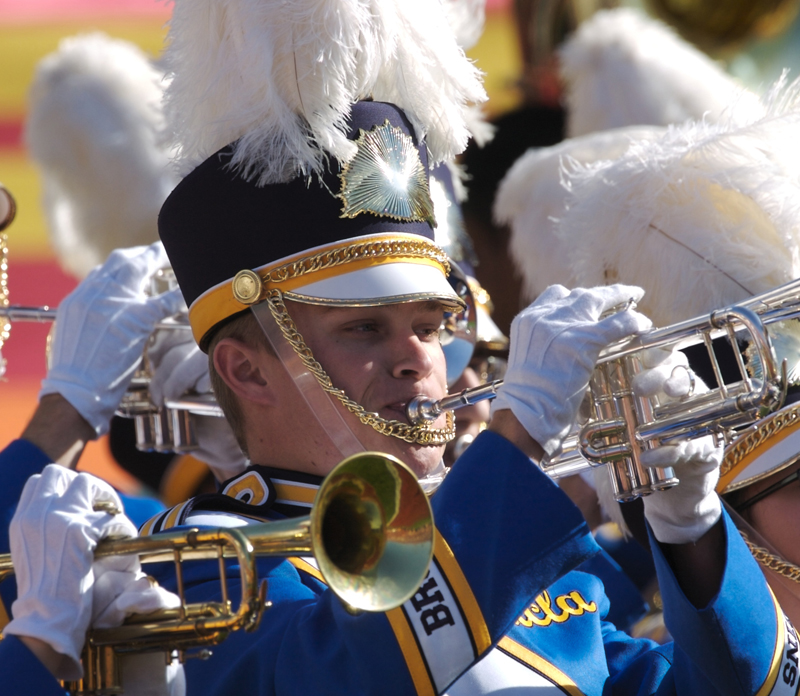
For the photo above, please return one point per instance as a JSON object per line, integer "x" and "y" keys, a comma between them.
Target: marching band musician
{"x": 320, "y": 247}
{"x": 501, "y": 581}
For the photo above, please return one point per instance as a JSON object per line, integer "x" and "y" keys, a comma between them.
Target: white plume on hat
{"x": 532, "y": 198}
{"x": 467, "y": 18}
{"x": 621, "y": 68}
{"x": 699, "y": 214}
{"x": 280, "y": 78}
{"x": 94, "y": 129}
{"x": 707, "y": 215}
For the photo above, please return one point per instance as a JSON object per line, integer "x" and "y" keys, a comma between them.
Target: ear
{"x": 243, "y": 369}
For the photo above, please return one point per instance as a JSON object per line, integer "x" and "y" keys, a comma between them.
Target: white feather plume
{"x": 93, "y": 128}
{"x": 621, "y": 68}
{"x": 467, "y": 18}
{"x": 702, "y": 216}
{"x": 280, "y": 76}
{"x": 531, "y": 198}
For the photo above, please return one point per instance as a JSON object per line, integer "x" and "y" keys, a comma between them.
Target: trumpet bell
{"x": 372, "y": 532}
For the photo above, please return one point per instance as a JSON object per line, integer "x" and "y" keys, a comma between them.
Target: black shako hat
{"x": 362, "y": 234}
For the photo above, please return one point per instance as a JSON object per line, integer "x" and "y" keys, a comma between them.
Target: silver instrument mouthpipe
{"x": 423, "y": 408}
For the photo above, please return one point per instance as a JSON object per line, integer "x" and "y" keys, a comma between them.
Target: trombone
{"x": 623, "y": 425}
{"x": 370, "y": 530}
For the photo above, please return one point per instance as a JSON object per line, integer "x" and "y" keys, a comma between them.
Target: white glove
{"x": 666, "y": 375}
{"x": 555, "y": 344}
{"x": 684, "y": 513}
{"x": 121, "y": 589}
{"x": 53, "y": 535}
{"x": 179, "y": 366}
{"x": 101, "y": 330}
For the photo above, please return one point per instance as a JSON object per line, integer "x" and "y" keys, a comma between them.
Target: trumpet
{"x": 166, "y": 428}
{"x": 623, "y": 425}
{"x": 370, "y": 530}
{"x": 170, "y": 427}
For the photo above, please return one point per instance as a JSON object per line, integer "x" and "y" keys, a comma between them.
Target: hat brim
{"x": 744, "y": 465}
{"x": 377, "y": 285}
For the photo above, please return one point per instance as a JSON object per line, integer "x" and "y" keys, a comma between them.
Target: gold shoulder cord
{"x": 420, "y": 434}
{"x": 771, "y": 561}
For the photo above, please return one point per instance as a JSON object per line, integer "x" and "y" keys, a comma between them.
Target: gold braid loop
{"x": 420, "y": 434}
{"x": 771, "y": 561}
{"x": 752, "y": 440}
{"x": 356, "y": 252}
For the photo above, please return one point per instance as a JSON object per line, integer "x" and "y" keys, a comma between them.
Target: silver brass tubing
{"x": 679, "y": 335}
{"x": 20, "y": 313}
{"x": 421, "y": 408}
{"x": 200, "y": 405}
{"x": 48, "y": 314}
{"x": 145, "y": 437}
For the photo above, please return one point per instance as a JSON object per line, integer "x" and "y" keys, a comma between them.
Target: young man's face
{"x": 381, "y": 357}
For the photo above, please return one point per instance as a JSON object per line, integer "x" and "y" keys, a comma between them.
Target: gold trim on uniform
{"x": 777, "y": 657}
{"x": 539, "y": 664}
{"x": 303, "y": 565}
{"x": 294, "y": 493}
{"x": 4, "y": 618}
{"x": 455, "y": 576}
{"x": 251, "y": 482}
{"x": 423, "y": 681}
{"x": 444, "y": 601}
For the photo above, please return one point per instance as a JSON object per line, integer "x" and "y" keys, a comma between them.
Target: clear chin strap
{"x": 320, "y": 402}
{"x": 434, "y": 479}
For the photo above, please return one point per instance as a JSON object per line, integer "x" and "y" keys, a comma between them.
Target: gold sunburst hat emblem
{"x": 386, "y": 177}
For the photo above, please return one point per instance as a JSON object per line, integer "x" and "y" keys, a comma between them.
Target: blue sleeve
{"x": 627, "y": 605}
{"x": 21, "y": 673}
{"x": 493, "y": 514}
{"x": 739, "y": 640}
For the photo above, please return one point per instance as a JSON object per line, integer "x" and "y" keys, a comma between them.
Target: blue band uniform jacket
{"x": 505, "y": 605}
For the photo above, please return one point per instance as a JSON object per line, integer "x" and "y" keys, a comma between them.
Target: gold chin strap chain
{"x": 771, "y": 561}
{"x": 423, "y": 434}
{"x": 767, "y": 429}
